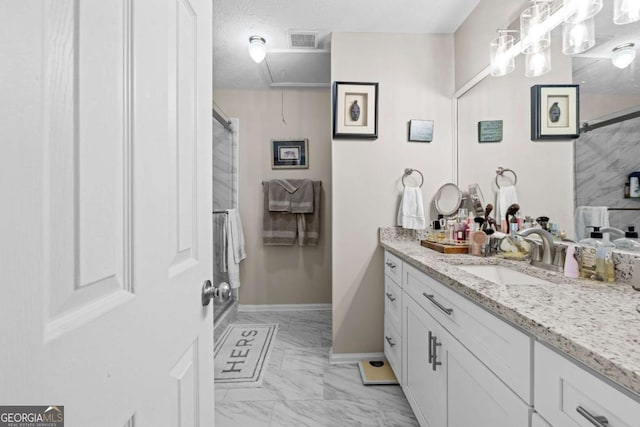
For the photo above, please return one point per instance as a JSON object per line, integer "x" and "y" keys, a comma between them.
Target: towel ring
{"x": 500, "y": 172}
{"x": 409, "y": 171}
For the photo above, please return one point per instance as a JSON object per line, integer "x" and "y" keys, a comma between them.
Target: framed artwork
{"x": 490, "y": 131}
{"x": 420, "y": 130}
{"x": 555, "y": 112}
{"x": 355, "y": 110}
{"x": 290, "y": 154}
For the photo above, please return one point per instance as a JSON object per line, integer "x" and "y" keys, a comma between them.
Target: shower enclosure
{"x": 225, "y": 196}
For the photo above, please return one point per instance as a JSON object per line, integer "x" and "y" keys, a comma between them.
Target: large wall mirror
{"x": 556, "y": 176}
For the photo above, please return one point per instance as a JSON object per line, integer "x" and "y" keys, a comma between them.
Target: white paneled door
{"x": 105, "y": 222}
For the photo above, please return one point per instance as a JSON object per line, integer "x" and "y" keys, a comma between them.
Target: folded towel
{"x": 291, "y": 195}
{"x": 589, "y": 216}
{"x": 411, "y": 210}
{"x": 278, "y": 228}
{"x": 235, "y": 246}
{"x": 309, "y": 223}
{"x": 505, "y": 197}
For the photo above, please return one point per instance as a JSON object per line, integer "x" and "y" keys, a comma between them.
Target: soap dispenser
{"x": 629, "y": 242}
{"x": 596, "y": 257}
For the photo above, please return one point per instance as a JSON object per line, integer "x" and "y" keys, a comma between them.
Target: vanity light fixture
{"x": 623, "y": 55}
{"x": 582, "y": 10}
{"x": 535, "y": 35}
{"x": 537, "y": 63}
{"x": 578, "y": 37}
{"x": 626, "y": 11}
{"x": 257, "y": 50}
{"x": 502, "y": 62}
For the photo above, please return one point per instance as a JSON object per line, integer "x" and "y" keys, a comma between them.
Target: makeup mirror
{"x": 447, "y": 199}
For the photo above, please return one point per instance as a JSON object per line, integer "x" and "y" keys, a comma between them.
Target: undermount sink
{"x": 502, "y": 275}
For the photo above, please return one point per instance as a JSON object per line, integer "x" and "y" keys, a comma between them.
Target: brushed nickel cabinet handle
{"x": 391, "y": 343}
{"x": 390, "y": 265}
{"x": 390, "y": 296}
{"x": 596, "y": 420}
{"x": 431, "y": 298}
{"x": 430, "y": 348}
{"x": 435, "y": 344}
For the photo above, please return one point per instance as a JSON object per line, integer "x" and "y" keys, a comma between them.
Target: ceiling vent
{"x": 302, "y": 39}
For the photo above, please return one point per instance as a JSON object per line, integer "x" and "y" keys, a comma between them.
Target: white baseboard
{"x": 282, "y": 307}
{"x": 338, "y": 358}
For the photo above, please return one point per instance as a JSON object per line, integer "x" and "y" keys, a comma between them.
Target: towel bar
{"x": 500, "y": 172}
{"x": 409, "y": 171}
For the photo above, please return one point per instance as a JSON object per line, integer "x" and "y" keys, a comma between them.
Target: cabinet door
{"x": 538, "y": 421}
{"x": 425, "y": 388}
{"x": 475, "y": 395}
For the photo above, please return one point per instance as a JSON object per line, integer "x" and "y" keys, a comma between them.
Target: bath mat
{"x": 376, "y": 373}
{"x": 241, "y": 354}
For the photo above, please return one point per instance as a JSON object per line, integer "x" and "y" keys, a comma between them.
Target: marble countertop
{"x": 594, "y": 323}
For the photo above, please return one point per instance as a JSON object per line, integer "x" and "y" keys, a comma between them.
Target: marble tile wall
{"x": 603, "y": 159}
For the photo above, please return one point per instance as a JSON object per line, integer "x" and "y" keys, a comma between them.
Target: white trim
{"x": 339, "y": 358}
{"x": 282, "y": 307}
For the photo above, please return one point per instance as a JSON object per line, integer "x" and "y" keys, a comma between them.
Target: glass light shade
{"x": 257, "y": 50}
{"x": 537, "y": 63}
{"x": 502, "y": 62}
{"x": 584, "y": 9}
{"x": 626, "y": 11}
{"x": 535, "y": 36}
{"x": 578, "y": 37}
{"x": 623, "y": 55}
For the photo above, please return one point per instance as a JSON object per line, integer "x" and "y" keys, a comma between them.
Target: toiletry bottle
{"x": 629, "y": 242}
{"x": 513, "y": 225}
{"x": 596, "y": 257}
{"x": 588, "y": 248}
{"x": 571, "y": 268}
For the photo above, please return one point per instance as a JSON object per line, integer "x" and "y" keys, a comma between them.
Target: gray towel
{"x": 309, "y": 223}
{"x": 220, "y": 239}
{"x": 278, "y": 228}
{"x": 291, "y": 195}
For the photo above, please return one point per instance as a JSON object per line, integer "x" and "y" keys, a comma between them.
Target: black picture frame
{"x": 345, "y": 124}
{"x": 290, "y": 153}
{"x": 555, "y": 112}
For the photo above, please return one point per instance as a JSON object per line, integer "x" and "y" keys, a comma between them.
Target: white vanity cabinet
{"x": 567, "y": 395}
{"x": 446, "y": 384}
{"x": 393, "y": 312}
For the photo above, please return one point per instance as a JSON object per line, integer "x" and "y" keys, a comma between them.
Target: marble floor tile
{"x": 344, "y": 382}
{"x": 243, "y": 414}
{"x": 306, "y": 358}
{"x": 301, "y": 388}
{"x": 324, "y": 413}
{"x": 282, "y": 385}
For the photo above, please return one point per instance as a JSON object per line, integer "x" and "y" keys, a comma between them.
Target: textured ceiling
{"x": 234, "y": 21}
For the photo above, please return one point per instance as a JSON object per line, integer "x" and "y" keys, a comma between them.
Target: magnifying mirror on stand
{"x": 447, "y": 199}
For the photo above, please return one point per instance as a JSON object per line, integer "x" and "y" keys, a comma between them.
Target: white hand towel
{"x": 589, "y": 216}
{"x": 411, "y": 210}
{"x": 235, "y": 247}
{"x": 506, "y": 197}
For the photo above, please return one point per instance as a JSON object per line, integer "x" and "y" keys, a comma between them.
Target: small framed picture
{"x": 290, "y": 154}
{"x": 555, "y": 112}
{"x": 490, "y": 131}
{"x": 355, "y": 110}
{"x": 420, "y": 130}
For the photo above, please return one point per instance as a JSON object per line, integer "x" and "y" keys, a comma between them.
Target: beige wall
{"x": 474, "y": 35}
{"x": 415, "y": 74}
{"x": 287, "y": 274}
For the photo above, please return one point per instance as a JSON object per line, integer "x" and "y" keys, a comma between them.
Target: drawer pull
{"x": 390, "y": 265}
{"x": 431, "y": 298}
{"x": 390, "y": 296}
{"x": 596, "y": 420}
{"x": 390, "y": 341}
{"x": 433, "y": 355}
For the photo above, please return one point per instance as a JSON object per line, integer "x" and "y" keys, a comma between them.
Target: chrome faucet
{"x": 548, "y": 249}
{"x": 613, "y": 232}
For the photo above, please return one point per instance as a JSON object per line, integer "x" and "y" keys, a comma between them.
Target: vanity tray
{"x": 445, "y": 249}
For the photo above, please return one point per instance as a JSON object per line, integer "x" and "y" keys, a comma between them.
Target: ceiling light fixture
{"x": 537, "y": 63}
{"x": 583, "y": 9}
{"x": 626, "y": 11}
{"x": 535, "y": 36}
{"x": 623, "y": 55}
{"x": 257, "y": 50}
